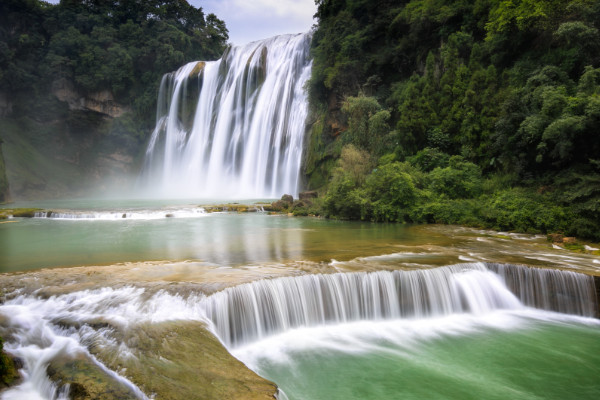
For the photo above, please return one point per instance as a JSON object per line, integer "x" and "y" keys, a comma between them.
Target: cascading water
{"x": 39, "y": 330}
{"x": 232, "y": 127}
{"x": 252, "y": 311}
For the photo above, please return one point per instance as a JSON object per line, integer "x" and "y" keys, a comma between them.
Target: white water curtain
{"x": 233, "y": 128}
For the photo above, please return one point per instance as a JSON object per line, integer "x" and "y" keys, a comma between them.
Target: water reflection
{"x": 257, "y": 239}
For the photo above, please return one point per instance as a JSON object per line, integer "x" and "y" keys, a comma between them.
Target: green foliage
{"x": 391, "y": 192}
{"x": 525, "y": 15}
{"x": 121, "y": 46}
{"x": 555, "y": 125}
{"x": 354, "y": 162}
{"x": 487, "y": 100}
{"x": 342, "y": 199}
{"x": 367, "y": 123}
{"x": 524, "y": 211}
{"x": 461, "y": 179}
{"x": 429, "y": 158}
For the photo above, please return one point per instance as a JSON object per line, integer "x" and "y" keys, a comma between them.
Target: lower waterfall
{"x": 232, "y": 127}
{"x": 398, "y": 305}
{"x": 252, "y": 311}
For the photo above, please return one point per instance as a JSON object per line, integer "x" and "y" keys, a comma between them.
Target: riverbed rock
{"x": 278, "y": 206}
{"x": 287, "y": 198}
{"x": 86, "y": 379}
{"x": 9, "y": 367}
{"x": 555, "y": 237}
{"x": 183, "y": 360}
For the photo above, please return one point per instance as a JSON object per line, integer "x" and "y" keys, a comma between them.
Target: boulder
{"x": 555, "y": 237}
{"x": 86, "y": 379}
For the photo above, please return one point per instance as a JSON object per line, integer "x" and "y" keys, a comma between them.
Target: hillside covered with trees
{"x": 483, "y": 113}
{"x": 79, "y": 82}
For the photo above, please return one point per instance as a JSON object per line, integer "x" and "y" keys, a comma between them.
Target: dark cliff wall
{"x": 3, "y": 180}
{"x": 79, "y": 82}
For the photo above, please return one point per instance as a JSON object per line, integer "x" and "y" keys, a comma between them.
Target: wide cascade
{"x": 232, "y": 127}
{"x": 256, "y": 310}
{"x": 89, "y": 324}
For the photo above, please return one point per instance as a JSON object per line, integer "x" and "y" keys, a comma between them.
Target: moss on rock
{"x": 87, "y": 380}
{"x": 8, "y": 370}
{"x": 183, "y": 360}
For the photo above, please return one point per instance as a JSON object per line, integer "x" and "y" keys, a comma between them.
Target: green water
{"x": 542, "y": 360}
{"x": 219, "y": 238}
{"x": 231, "y": 239}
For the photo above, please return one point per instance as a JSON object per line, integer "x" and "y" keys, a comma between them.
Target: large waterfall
{"x": 232, "y": 127}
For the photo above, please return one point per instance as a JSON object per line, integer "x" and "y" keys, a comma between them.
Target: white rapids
{"x": 39, "y": 329}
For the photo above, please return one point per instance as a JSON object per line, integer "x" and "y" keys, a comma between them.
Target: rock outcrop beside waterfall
{"x": 102, "y": 102}
{"x": 81, "y": 141}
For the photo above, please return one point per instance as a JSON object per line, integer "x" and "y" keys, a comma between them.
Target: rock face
{"x": 6, "y": 106}
{"x": 3, "y": 180}
{"x": 101, "y": 102}
{"x": 80, "y": 143}
{"x": 308, "y": 195}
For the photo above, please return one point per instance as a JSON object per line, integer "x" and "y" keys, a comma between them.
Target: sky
{"x": 250, "y": 20}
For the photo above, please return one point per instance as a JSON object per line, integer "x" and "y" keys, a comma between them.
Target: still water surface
{"x": 94, "y": 233}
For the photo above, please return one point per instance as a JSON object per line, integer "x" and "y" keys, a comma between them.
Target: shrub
{"x": 392, "y": 193}
{"x": 461, "y": 179}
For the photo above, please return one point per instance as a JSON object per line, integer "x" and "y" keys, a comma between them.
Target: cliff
{"x": 79, "y": 83}
{"x": 73, "y": 151}
{"x": 4, "y": 196}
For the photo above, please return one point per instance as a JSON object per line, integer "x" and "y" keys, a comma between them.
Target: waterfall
{"x": 39, "y": 330}
{"x": 255, "y": 310}
{"x": 232, "y": 127}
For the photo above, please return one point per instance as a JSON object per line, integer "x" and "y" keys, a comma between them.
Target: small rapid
{"x": 191, "y": 212}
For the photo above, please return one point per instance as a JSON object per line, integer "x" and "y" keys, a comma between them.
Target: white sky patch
{"x": 248, "y": 21}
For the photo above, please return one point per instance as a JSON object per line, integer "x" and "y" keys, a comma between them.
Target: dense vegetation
{"x": 482, "y": 112}
{"x": 109, "y": 49}
{"x": 123, "y": 46}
